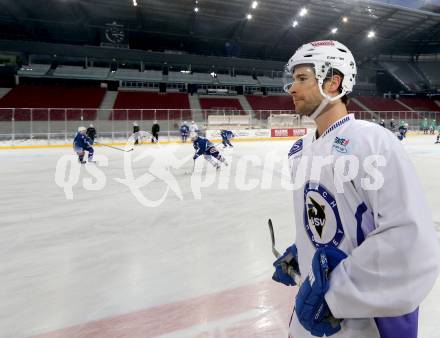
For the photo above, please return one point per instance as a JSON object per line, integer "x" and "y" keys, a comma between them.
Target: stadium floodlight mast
{"x": 345, "y": 19}
{"x": 249, "y": 16}
{"x": 254, "y": 4}
{"x": 196, "y": 9}
{"x": 371, "y": 34}
{"x": 334, "y": 30}
{"x": 303, "y": 11}
{"x": 135, "y": 3}
{"x": 294, "y": 23}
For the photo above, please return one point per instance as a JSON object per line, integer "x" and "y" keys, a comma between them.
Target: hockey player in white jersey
{"x": 365, "y": 251}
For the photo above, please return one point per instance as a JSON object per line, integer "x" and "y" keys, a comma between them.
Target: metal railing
{"x": 55, "y": 125}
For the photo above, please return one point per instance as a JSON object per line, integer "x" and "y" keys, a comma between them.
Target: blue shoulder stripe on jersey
{"x": 297, "y": 146}
{"x": 336, "y": 125}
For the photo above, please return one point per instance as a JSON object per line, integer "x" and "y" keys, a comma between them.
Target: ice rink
{"x": 126, "y": 248}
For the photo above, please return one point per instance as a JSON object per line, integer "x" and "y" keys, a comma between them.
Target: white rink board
{"x": 240, "y": 133}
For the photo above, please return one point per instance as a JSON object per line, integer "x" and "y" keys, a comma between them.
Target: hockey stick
{"x": 296, "y": 277}
{"x": 120, "y": 149}
{"x": 272, "y": 237}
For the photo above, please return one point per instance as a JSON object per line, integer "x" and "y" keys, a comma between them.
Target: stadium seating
{"x": 263, "y": 105}
{"x": 32, "y": 70}
{"x": 136, "y": 75}
{"x": 358, "y": 111}
{"x": 406, "y": 72}
{"x": 282, "y": 102}
{"x": 236, "y": 80}
{"x": 138, "y": 105}
{"x": 270, "y": 82}
{"x": 178, "y": 77}
{"x": 432, "y": 72}
{"x": 388, "y": 108}
{"x": 96, "y": 73}
{"x": 217, "y": 105}
{"x": 380, "y": 103}
{"x": 420, "y": 103}
{"x": 48, "y": 101}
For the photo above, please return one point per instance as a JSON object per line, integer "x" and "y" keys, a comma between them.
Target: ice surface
{"x": 97, "y": 261}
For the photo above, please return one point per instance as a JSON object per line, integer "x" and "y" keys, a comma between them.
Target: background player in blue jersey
{"x": 206, "y": 148}
{"x": 184, "y": 131}
{"x": 83, "y": 143}
{"x": 226, "y": 135}
{"x": 403, "y": 129}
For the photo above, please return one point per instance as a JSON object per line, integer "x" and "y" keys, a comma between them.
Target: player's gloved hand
{"x": 286, "y": 267}
{"x": 310, "y": 306}
{"x": 195, "y": 157}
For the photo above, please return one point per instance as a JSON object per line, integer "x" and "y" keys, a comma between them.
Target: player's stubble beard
{"x": 307, "y": 108}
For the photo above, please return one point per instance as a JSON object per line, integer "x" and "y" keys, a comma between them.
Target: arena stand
{"x": 140, "y": 105}
{"x": 387, "y": 109}
{"x": 41, "y": 103}
{"x": 218, "y": 105}
{"x": 420, "y": 103}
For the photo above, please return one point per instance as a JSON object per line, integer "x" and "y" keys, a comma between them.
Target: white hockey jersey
{"x": 377, "y": 215}
{"x": 193, "y": 127}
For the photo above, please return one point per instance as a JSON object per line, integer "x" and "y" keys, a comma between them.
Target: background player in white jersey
{"x": 193, "y": 127}
{"x": 366, "y": 252}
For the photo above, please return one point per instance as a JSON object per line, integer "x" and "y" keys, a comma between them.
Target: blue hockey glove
{"x": 286, "y": 267}
{"x": 310, "y": 307}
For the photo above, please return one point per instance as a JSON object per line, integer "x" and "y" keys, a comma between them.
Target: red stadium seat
{"x": 151, "y": 105}
{"x": 55, "y": 98}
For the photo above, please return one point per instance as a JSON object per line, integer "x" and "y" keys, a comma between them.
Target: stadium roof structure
{"x": 226, "y": 28}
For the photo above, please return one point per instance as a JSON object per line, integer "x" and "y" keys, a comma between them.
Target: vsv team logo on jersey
{"x": 341, "y": 144}
{"x": 316, "y": 214}
{"x": 297, "y": 146}
{"x": 321, "y": 216}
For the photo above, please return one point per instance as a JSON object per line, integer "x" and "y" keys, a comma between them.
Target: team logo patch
{"x": 316, "y": 214}
{"x": 297, "y": 146}
{"x": 321, "y": 216}
{"x": 341, "y": 144}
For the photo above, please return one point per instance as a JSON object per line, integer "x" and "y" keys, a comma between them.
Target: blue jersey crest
{"x": 297, "y": 146}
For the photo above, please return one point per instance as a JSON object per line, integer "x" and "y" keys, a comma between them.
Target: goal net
{"x": 283, "y": 120}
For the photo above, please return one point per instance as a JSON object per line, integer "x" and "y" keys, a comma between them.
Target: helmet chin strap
{"x": 327, "y": 99}
{"x": 320, "y": 108}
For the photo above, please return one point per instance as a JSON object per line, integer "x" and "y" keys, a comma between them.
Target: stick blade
{"x": 272, "y": 237}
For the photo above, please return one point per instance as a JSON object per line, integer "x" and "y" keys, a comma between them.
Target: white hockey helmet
{"x": 324, "y": 56}
{"x": 91, "y": 125}
{"x": 135, "y": 123}
{"x": 193, "y": 135}
{"x": 82, "y": 129}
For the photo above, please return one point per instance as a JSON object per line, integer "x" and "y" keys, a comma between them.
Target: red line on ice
{"x": 273, "y": 303}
